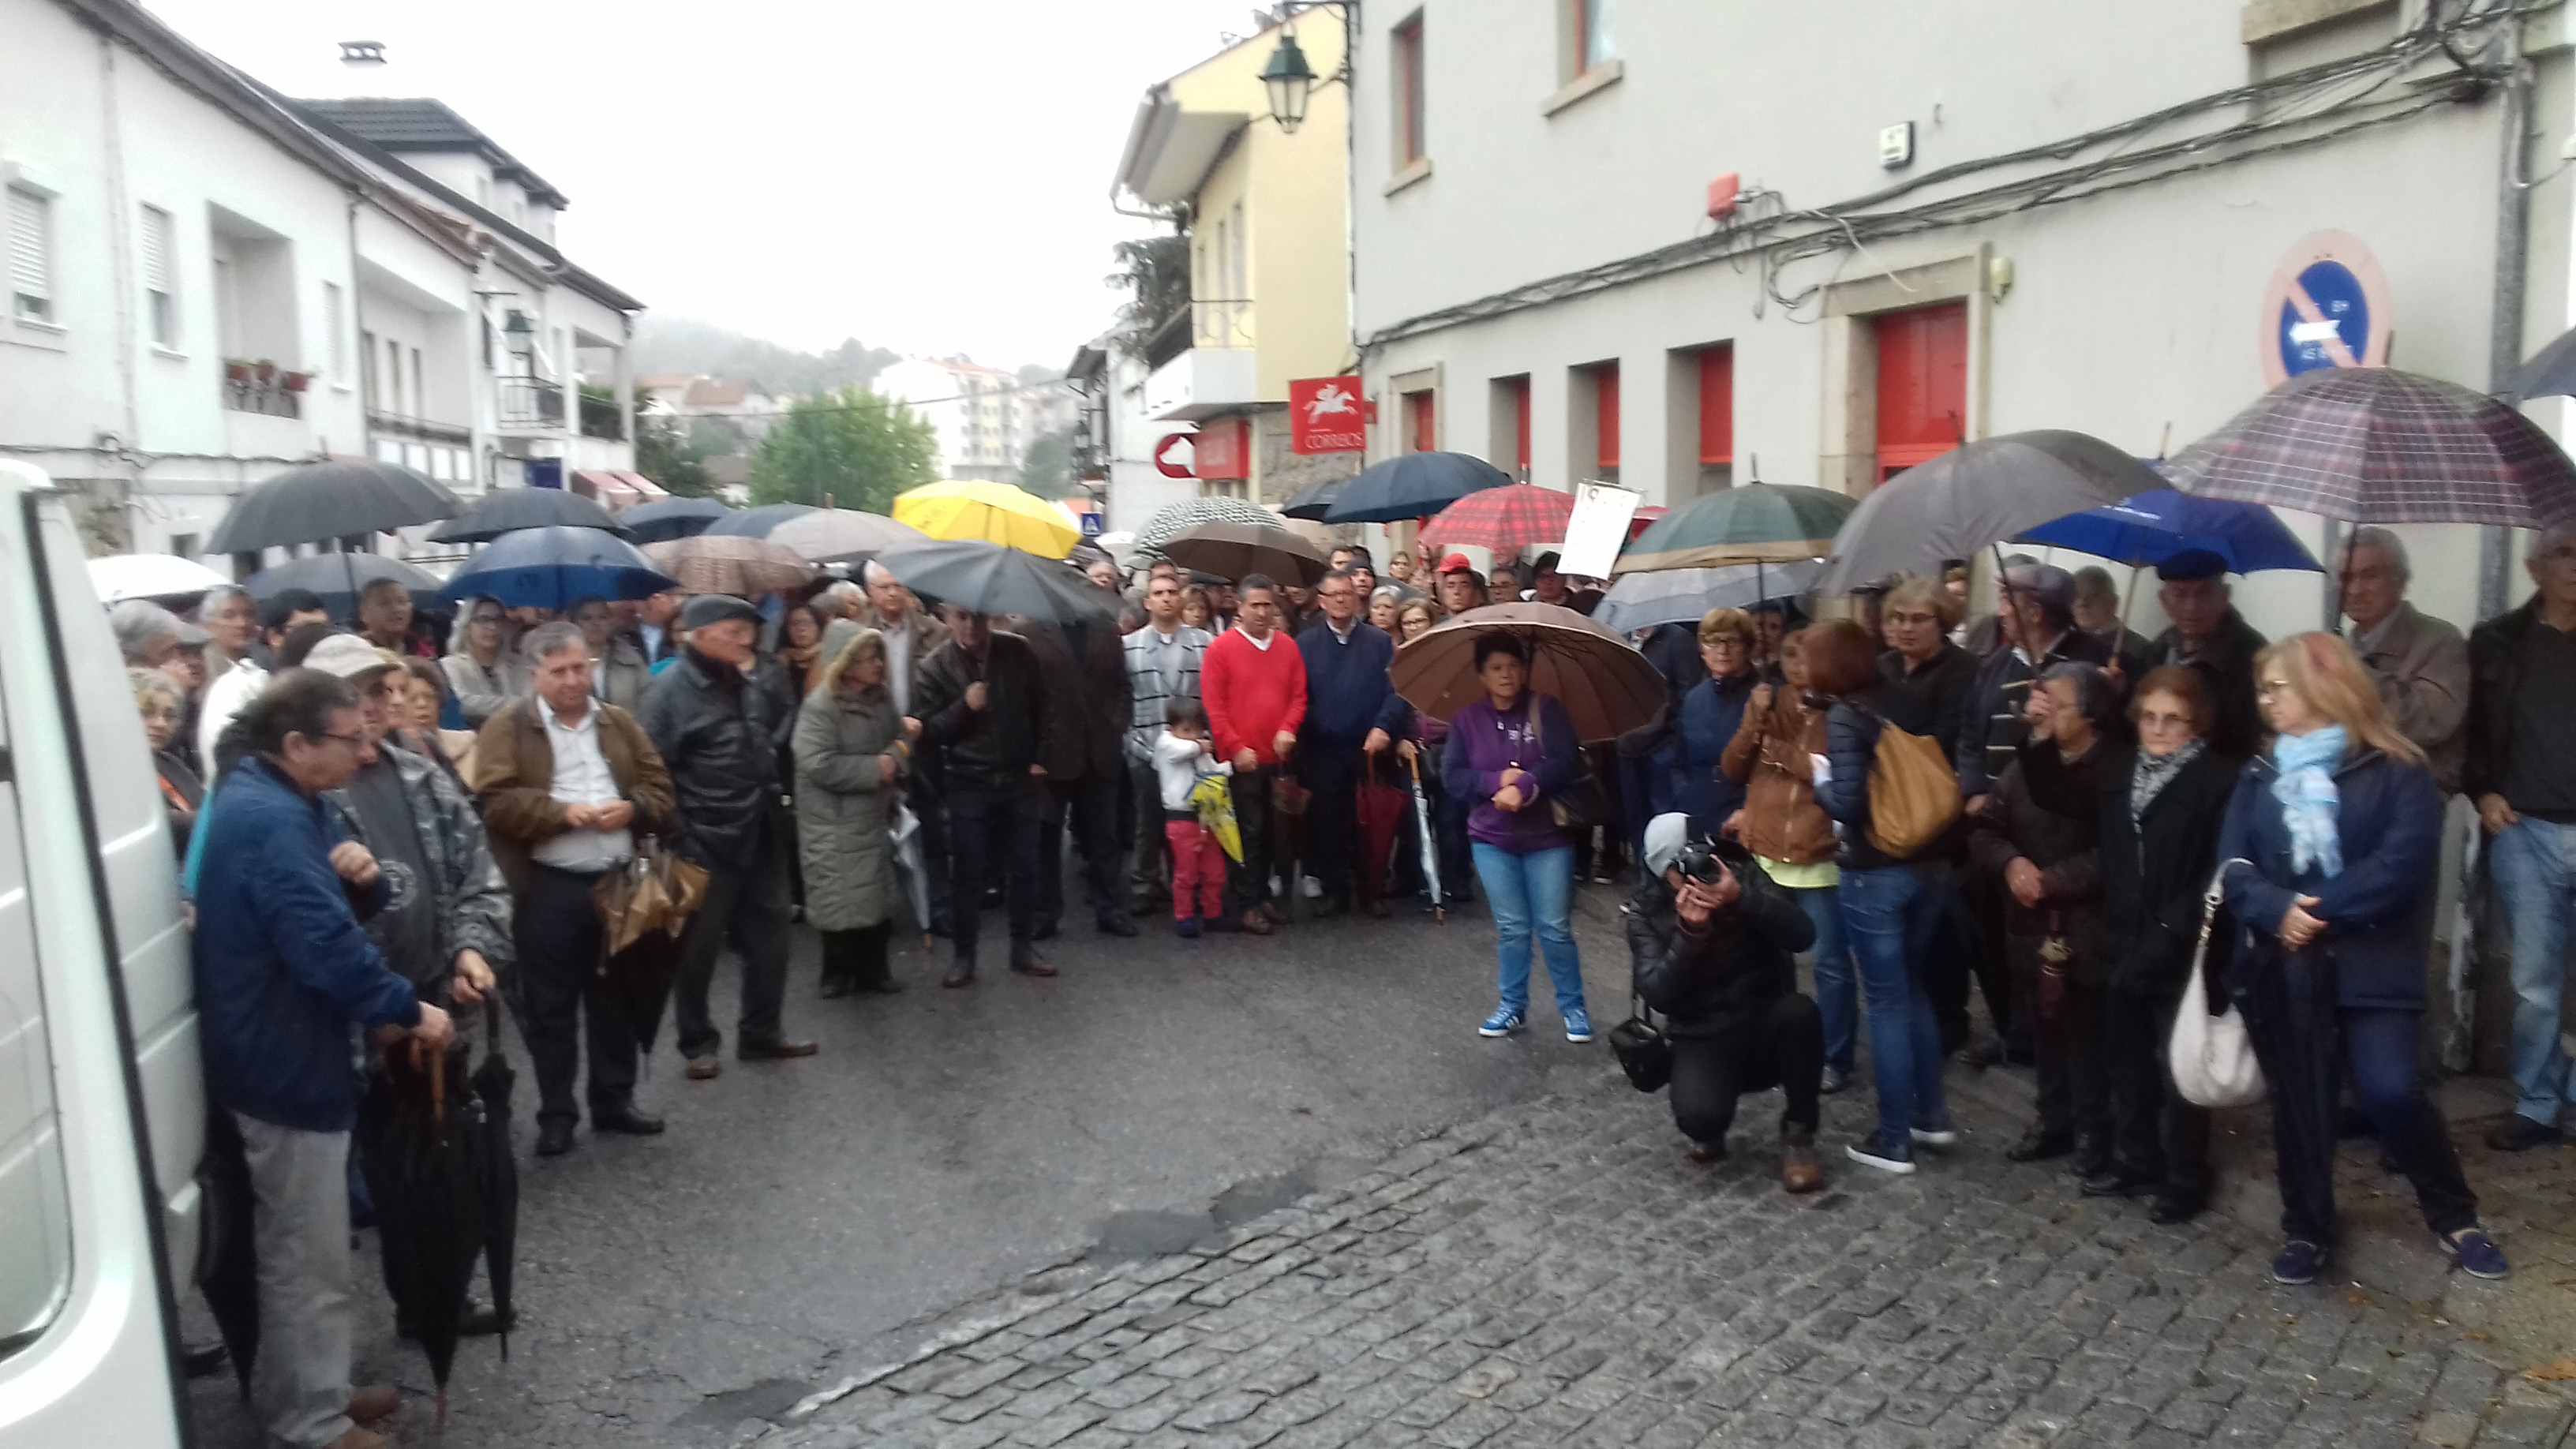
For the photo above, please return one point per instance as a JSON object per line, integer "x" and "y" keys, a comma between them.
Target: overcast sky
{"x": 928, "y": 177}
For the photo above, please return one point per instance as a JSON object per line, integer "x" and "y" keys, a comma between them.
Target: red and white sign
{"x": 1163, "y": 463}
{"x": 1325, "y": 417}
{"x": 2329, "y": 306}
{"x": 1222, "y": 450}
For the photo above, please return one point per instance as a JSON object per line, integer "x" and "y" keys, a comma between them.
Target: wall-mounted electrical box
{"x": 1896, "y": 146}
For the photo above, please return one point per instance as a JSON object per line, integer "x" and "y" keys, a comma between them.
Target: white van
{"x": 102, "y": 1099}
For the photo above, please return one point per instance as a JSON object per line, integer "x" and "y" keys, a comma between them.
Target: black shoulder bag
{"x": 1644, "y": 1052}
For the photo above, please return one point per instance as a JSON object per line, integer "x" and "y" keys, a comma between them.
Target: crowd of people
{"x": 381, "y": 833}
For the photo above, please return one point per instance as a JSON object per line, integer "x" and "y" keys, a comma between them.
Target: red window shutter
{"x": 1922, "y": 384}
{"x": 1421, "y": 421}
{"x": 1606, "y": 414}
{"x": 1717, "y": 405}
{"x": 1521, "y": 425}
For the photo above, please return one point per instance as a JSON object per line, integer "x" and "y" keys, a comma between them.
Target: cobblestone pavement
{"x": 1557, "y": 1273}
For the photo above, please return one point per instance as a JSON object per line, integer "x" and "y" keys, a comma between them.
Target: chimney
{"x": 362, "y": 55}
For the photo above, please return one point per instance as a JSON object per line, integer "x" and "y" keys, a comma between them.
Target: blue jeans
{"x": 2535, "y": 872}
{"x": 1532, "y": 892}
{"x": 1837, "y": 986}
{"x": 1889, "y": 917}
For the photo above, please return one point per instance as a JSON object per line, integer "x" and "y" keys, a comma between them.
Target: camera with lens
{"x": 1700, "y": 862}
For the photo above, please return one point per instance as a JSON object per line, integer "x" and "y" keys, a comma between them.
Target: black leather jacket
{"x": 1708, "y": 983}
{"x": 713, "y": 728}
{"x": 991, "y": 748}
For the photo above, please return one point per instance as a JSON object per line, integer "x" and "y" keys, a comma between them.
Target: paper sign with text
{"x": 1599, "y": 528}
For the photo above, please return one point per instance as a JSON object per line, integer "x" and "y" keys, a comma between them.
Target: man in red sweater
{"x": 1253, "y": 682}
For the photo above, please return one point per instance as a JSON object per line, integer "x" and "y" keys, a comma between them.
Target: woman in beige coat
{"x": 851, "y": 759}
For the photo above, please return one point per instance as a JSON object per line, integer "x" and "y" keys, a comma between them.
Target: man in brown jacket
{"x": 2419, "y": 663}
{"x": 567, "y": 781}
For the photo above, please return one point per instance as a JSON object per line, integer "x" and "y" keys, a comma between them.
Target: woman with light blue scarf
{"x": 2330, "y": 846}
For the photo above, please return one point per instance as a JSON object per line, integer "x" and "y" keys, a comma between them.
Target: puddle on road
{"x": 769, "y": 1399}
{"x": 1156, "y": 1232}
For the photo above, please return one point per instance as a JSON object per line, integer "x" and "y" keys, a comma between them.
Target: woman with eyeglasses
{"x": 483, "y": 671}
{"x": 2328, "y": 863}
{"x": 1688, "y": 779}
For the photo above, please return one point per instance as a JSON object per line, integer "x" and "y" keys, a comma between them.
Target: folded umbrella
{"x": 1233, "y": 550}
{"x": 2375, "y": 445}
{"x": 665, "y": 519}
{"x": 1380, "y": 809}
{"x": 492, "y": 1085}
{"x": 506, "y": 510}
{"x": 717, "y": 563}
{"x": 339, "y": 578}
{"x": 2145, "y": 530}
{"x": 1213, "y": 798}
{"x": 994, "y": 512}
{"x": 1174, "y": 519}
{"x": 1606, "y": 686}
{"x": 1757, "y": 523}
{"x": 1975, "y": 496}
{"x": 314, "y": 501}
{"x": 422, "y": 1151}
{"x": 124, "y": 576}
{"x": 992, "y": 579}
{"x": 758, "y": 522}
{"x": 1503, "y": 520}
{"x": 1429, "y": 842}
{"x": 551, "y": 568}
{"x": 905, "y": 831}
{"x": 843, "y": 535}
{"x": 228, "y": 1270}
{"x": 1682, "y": 596}
{"x": 1413, "y": 485}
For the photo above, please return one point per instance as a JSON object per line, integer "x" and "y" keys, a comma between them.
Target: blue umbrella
{"x": 1413, "y": 485}
{"x": 551, "y": 568}
{"x": 2145, "y": 529}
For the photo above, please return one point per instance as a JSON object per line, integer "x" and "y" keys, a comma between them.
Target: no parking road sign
{"x": 2328, "y": 307}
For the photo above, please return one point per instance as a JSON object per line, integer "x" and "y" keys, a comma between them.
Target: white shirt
{"x": 898, "y": 652}
{"x": 651, "y": 634}
{"x": 582, "y": 777}
{"x": 1263, "y": 643}
{"x": 1178, "y": 766}
{"x": 225, "y": 698}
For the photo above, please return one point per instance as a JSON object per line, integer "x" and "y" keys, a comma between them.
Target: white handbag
{"x": 2211, "y": 1056}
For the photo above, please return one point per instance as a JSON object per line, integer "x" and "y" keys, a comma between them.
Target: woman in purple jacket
{"x": 1510, "y": 754}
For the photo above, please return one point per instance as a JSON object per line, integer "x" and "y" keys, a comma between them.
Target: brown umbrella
{"x": 719, "y": 563}
{"x": 1232, "y": 550}
{"x": 1603, "y": 682}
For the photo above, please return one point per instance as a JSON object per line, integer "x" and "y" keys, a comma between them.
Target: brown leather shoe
{"x": 778, "y": 1051}
{"x": 1798, "y": 1169}
{"x": 1705, "y": 1153}
{"x": 355, "y": 1438}
{"x": 705, "y": 1069}
{"x": 960, "y": 973}
{"x": 1277, "y": 914}
{"x": 1026, "y": 960}
{"x": 376, "y": 1401}
{"x": 1257, "y": 923}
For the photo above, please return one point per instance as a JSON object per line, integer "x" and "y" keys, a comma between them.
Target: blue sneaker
{"x": 2300, "y": 1261}
{"x": 1876, "y": 1150}
{"x": 2477, "y": 1254}
{"x": 1503, "y": 1022}
{"x": 1578, "y": 1026}
{"x": 1187, "y": 928}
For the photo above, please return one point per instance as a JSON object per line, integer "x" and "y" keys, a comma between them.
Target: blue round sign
{"x": 2329, "y": 307}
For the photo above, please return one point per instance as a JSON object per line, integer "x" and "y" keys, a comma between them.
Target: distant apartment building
{"x": 980, "y": 417}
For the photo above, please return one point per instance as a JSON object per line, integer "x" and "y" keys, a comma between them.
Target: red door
{"x": 1520, "y": 400}
{"x": 1716, "y": 406}
{"x": 1605, "y": 380}
{"x": 1922, "y": 385}
{"x": 1421, "y": 421}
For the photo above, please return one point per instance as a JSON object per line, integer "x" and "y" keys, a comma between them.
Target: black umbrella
{"x": 757, "y": 522}
{"x": 315, "y": 501}
{"x": 339, "y": 578}
{"x": 422, "y": 1149}
{"x": 1413, "y": 485}
{"x": 992, "y": 579}
{"x": 1976, "y": 495}
{"x": 1315, "y": 500}
{"x": 228, "y": 1275}
{"x": 492, "y": 1083}
{"x": 509, "y": 509}
{"x": 671, "y": 518}
{"x": 2551, "y": 372}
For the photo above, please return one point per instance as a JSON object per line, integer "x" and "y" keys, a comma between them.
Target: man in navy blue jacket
{"x": 285, "y": 977}
{"x": 1352, "y": 714}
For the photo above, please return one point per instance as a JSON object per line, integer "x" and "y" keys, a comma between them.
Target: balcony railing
{"x": 527, "y": 402}
{"x": 401, "y": 426}
{"x": 270, "y": 396}
{"x": 1221, "y": 322}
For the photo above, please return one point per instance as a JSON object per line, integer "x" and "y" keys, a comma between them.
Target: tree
{"x": 850, "y": 446}
{"x": 1047, "y": 469}
{"x": 1155, "y": 275}
{"x": 667, "y": 454}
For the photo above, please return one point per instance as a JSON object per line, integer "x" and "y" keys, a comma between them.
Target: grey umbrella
{"x": 314, "y": 501}
{"x": 1682, "y": 596}
{"x": 507, "y": 510}
{"x": 757, "y": 522}
{"x": 1976, "y": 495}
{"x": 1190, "y": 513}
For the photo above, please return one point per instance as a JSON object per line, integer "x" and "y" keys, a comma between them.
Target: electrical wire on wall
{"x": 2283, "y": 114}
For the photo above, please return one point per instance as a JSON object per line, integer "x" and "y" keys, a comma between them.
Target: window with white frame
{"x": 31, "y": 256}
{"x": 160, "y": 243}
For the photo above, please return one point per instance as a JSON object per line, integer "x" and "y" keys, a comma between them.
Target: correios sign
{"x": 1325, "y": 416}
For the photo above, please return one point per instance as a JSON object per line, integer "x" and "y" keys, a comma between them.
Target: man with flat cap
{"x": 2211, "y": 637}
{"x": 716, "y": 732}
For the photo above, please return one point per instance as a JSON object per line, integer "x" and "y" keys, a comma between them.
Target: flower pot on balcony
{"x": 236, "y": 371}
{"x": 296, "y": 381}
{"x": 266, "y": 369}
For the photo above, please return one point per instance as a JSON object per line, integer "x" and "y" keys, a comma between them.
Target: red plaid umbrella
{"x": 1505, "y": 520}
{"x": 2375, "y": 445}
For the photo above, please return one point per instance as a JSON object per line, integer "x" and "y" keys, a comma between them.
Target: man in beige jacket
{"x": 2420, "y": 663}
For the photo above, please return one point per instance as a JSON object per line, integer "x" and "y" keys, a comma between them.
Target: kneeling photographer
{"x": 1712, "y": 942}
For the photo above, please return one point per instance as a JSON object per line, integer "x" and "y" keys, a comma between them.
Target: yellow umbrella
{"x": 993, "y": 512}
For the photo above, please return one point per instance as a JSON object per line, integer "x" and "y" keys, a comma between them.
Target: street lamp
{"x": 1289, "y": 80}
{"x": 519, "y": 334}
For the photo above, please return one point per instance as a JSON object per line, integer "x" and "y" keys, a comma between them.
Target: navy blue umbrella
{"x": 671, "y": 518}
{"x": 2145, "y": 529}
{"x": 757, "y": 522}
{"x": 1415, "y": 485}
{"x": 551, "y": 568}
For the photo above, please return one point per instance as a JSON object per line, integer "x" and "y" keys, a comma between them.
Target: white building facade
{"x": 1770, "y": 244}
{"x": 980, "y": 417}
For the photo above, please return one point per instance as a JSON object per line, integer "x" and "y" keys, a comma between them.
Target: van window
{"x": 36, "y": 1249}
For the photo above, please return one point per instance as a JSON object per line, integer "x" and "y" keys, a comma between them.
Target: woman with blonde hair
{"x": 1687, "y": 776}
{"x": 851, "y": 759}
{"x": 2328, "y": 854}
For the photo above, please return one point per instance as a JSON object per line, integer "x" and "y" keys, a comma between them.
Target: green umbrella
{"x": 1757, "y": 523}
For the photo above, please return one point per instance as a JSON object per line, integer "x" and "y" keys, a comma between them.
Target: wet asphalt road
{"x": 675, "y": 1290}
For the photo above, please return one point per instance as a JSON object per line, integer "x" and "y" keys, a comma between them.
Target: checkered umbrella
{"x": 2374, "y": 445}
{"x": 1190, "y": 513}
{"x": 1505, "y": 520}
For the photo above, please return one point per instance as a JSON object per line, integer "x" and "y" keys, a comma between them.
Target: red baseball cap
{"x": 1456, "y": 563}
